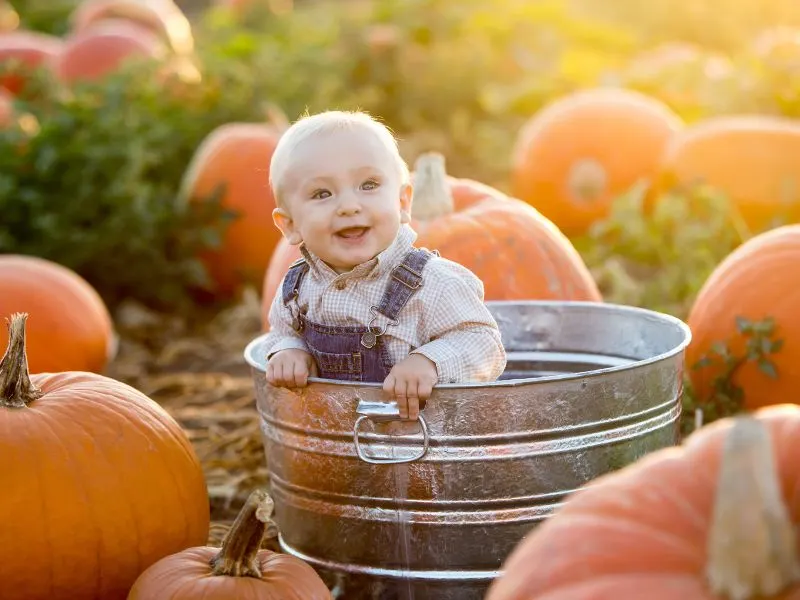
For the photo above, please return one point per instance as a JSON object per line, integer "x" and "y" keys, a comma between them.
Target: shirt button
{"x": 340, "y": 285}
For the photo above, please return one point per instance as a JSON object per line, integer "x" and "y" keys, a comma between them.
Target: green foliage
{"x": 47, "y": 16}
{"x": 94, "y": 186}
{"x": 456, "y": 77}
{"x": 659, "y": 254}
{"x": 727, "y": 398}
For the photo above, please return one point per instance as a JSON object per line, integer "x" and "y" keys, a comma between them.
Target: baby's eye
{"x": 370, "y": 184}
{"x": 320, "y": 194}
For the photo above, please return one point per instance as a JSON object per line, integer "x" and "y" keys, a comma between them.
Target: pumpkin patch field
{"x": 646, "y": 154}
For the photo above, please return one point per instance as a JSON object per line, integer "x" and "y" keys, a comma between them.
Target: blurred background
{"x": 109, "y": 131}
{"x": 634, "y": 145}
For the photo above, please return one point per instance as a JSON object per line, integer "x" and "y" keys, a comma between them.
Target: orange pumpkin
{"x": 71, "y": 328}
{"x": 753, "y": 282}
{"x": 103, "y": 48}
{"x": 162, "y": 17}
{"x": 100, "y": 483}
{"x": 754, "y": 160}
{"x": 30, "y": 49}
{"x": 236, "y": 157}
{"x": 238, "y": 570}
{"x": 514, "y": 250}
{"x": 575, "y": 156}
{"x": 714, "y": 519}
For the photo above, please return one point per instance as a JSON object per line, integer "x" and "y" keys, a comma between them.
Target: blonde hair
{"x": 308, "y": 126}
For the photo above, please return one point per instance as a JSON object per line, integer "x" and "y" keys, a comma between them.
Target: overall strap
{"x": 404, "y": 281}
{"x": 291, "y": 283}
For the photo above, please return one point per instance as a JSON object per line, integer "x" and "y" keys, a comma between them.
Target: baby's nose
{"x": 349, "y": 204}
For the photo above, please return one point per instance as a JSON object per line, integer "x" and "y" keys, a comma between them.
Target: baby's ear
{"x": 406, "y": 200}
{"x": 284, "y": 222}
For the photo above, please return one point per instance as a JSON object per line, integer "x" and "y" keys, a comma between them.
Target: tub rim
{"x": 643, "y": 312}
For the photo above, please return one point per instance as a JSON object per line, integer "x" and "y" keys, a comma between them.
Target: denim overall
{"x": 356, "y": 353}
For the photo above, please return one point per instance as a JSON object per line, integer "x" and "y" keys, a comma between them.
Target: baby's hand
{"x": 411, "y": 380}
{"x": 290, "y": 368}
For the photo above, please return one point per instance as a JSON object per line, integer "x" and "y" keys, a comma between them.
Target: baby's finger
{"x": 413, "y": 407}
{"x": 388, "y": 384}
{"x": 300, "y": 374}
{"x": 424, "y": 390}
{"x": 280, "y": 374}
{"x": 401, "y": 395}
{"x": 271, "y": 373}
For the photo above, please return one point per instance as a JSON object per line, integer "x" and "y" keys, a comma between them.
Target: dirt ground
{"x": 198, "y": 374}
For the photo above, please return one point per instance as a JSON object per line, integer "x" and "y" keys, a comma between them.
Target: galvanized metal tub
{"x": 429, "y": 509}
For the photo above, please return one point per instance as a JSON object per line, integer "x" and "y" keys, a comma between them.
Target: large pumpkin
{"x": 238, "y": 570}
{"x": 514, "y": 250}
{"x": 754, "y": 160}
{"x": 98, "y": 481}
{"x": 575, "y": 156}
{"x": 754, "y": 282}
{"x": 714, "y": 519}
{"x": 71, "y": 329}
{"x": 235, "y": 158}
{"x": 103, "y": 48}
{"x": 29, "y": 50}
{"x": 163, "y": 17}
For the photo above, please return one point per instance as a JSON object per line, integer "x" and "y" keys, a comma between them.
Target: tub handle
{"x": 381, "y": 412}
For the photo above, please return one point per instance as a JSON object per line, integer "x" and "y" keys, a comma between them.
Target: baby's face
{"x": 344, "y": 197}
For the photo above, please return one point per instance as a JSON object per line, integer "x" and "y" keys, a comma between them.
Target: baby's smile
{"x": 353, "y": 234}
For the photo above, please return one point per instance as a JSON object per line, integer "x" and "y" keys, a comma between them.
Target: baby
{"x": 363, "y": 304}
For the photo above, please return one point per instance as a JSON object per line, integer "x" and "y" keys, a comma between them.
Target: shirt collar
{"x": 375, "y": 267}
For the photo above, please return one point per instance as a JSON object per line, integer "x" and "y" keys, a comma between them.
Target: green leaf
{"x": 743, "y": 325}
{"x": 768, "y": 368}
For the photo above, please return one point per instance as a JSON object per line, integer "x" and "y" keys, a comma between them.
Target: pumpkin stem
{"x": 276, "y": 118}
{"x": 432, "y": 195}
{"x": 16, "y": 388}
{"x": 238, "y": 556}
{"x": 752, "y": 547}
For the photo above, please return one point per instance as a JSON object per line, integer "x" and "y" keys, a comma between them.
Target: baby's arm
{"x": 289, "y": 363}
{"x": 465, "y": 340}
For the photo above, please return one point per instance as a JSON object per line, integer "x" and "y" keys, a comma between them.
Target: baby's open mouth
{"x": 352, "y": 233}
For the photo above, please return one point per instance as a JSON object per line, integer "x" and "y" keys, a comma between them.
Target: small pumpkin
{"x": 754, "y": 160}
{"x": 103, "y": 48}
{"x": 715, "y": 519}
{"x": 512, "y": 248}
{"x": 99, "y": 483}
{"x": 752, "y": 282}
{"x": 162, "y": 17}
{"x": 71, "y": 329}
{"x": 579, "y": 153}
{"x": 29, "y": 50}
{"x": 235, "y": 158}
{"x": 238, "y": 570}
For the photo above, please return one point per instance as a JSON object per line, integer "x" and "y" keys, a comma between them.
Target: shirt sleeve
{"x": 465, "y": 340}
{"x": 281, "y": 335}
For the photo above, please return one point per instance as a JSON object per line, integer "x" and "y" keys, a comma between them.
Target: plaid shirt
{"x": 445, "y": 320}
